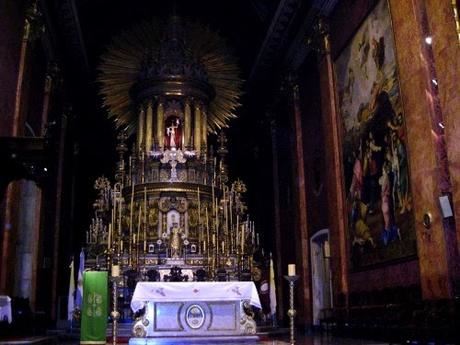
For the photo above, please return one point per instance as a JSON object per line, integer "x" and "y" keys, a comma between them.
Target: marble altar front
{"x": 181, "y": 310}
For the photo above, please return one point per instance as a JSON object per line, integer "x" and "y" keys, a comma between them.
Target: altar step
{"x": 263, "y": 332}
{"x": 197, "y": 340}
{"x": 38, "y": 340}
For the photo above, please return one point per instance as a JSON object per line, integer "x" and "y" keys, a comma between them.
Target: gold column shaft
{"x": 160, "y": 124}
{"x": 204, "y": 128}
{"x": 140, "y": 129}
{"x": 148, "y": 127}
{"x": 197, "y": 130}
{"x": 187, "y": 124}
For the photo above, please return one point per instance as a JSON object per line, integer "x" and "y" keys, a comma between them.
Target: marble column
{"x": 26, "y": 249}
{"x": 148, "y": 127}
{"x": 415, "y": 72}
{"x": 197, "y": 128}
{"x": 333, "y": 162}
{"x": 140, "y": 129}
{"x": 187, "y": 124}
{"x": 301, "y": 233}
{"x": 160, "y": 123}
{"x": 204, "y": 129}
{"x": 58, "y": 213}
{"x": 51, "y": 83}
{"x": 446, "y": 54}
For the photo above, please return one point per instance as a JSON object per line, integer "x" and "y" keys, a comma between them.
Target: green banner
{"x": 95, "y": 308}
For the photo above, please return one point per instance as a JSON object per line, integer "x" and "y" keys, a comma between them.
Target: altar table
{"x": 194, "y": 310}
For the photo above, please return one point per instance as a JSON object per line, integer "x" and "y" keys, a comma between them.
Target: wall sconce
{"x": 427, "y": 220}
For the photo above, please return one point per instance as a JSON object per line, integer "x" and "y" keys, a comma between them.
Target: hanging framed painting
{"x": 376, "y": 170}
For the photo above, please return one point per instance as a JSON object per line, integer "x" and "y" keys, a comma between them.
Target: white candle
{"x": 115, "y": 270}
{"x": 291, "y": 270}
{"x": 242, "y": 239}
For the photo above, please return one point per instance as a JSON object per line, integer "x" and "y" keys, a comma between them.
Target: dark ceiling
{"x": 242, "y": 23}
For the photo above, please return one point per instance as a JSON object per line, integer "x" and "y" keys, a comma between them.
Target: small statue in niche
{"x": 175, "y": 241}
{"x": 173, "y": 132}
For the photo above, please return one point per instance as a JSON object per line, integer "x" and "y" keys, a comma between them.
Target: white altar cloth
{"x": 194, "y": 291}
{"x": 5, "y": 309}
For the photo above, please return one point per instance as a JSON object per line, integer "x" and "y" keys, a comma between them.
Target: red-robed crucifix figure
{"x": 173, "y": 137}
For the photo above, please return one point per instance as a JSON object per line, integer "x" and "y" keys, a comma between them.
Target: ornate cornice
{"x": 301, "y": 45}
{"x": 276, "y": 35}
{"x": 298, "y": 48}
{"x": 33, "y": 27}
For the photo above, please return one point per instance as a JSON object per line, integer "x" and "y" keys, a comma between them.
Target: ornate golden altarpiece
{"x": 172, "y": 213}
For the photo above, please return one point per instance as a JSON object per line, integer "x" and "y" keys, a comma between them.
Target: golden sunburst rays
{"x": 121, "y": 65}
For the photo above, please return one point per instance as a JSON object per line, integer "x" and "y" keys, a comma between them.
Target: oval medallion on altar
{"x": 194, "y": 316}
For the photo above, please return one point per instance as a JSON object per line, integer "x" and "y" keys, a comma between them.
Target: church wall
{"x": 429, "y": 169}
{"x": 434, "y": 269}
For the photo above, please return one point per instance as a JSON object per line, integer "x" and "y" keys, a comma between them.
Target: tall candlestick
{"x": 109, "y": 240}
{"x": 200, "y": 234}
{"x": 139, "y": 224}
{"x": 212, "y": 189}
{"x": 199, "y": 205}
{"x": 120, "y": 207}
{"x": 131, "y": 217}
{"x": 214, "y": 169}
{"x": 145, "y": 219}
{"x": 114, "y": 211}
{"x": 207, "y": 226}
{"x": 112, "y": 222}
{"x": 130, "y": 169}
{"x": 242, "y": 239}
{"x": 217, "y": 223}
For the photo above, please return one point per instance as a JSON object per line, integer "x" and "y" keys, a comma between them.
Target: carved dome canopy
{"x": 172, "y": 58}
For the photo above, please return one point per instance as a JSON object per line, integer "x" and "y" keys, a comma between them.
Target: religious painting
{"x": 376, "y": 169}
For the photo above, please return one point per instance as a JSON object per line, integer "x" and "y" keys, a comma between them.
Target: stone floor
{"x": 300, "y": 340}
